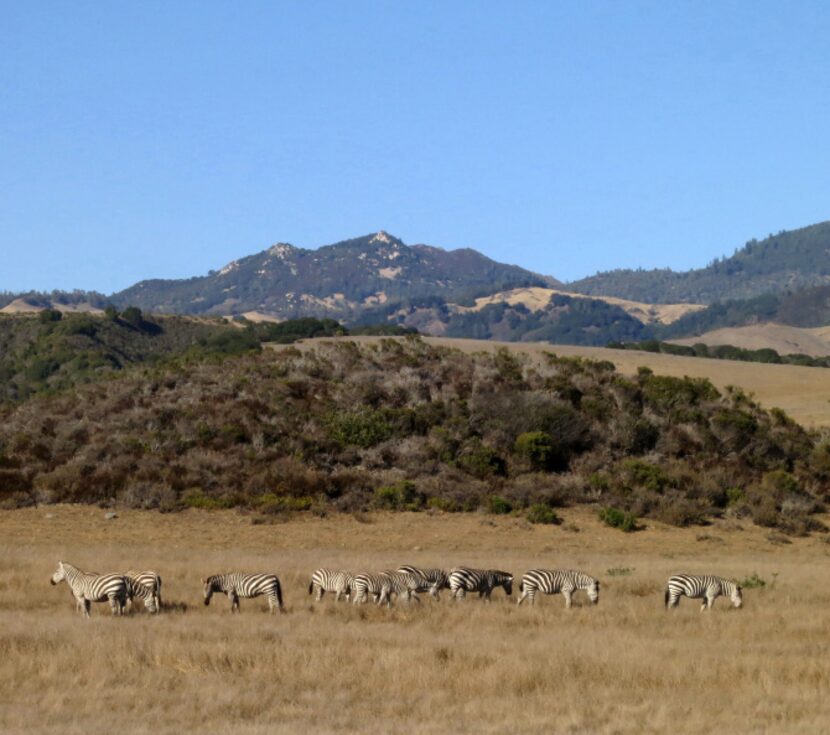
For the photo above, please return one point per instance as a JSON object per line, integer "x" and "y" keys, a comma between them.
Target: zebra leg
{"x": 567, "y": 594}
{"x": 234, "y": 601}
{"x": 86, "y": 605}
{"x": 320, "y": 593}
{"x": 115, "y": 605}
{"x": 525, "y": 593}
{"x": 708, "y": 601}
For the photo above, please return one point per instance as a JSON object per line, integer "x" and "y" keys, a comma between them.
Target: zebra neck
{"x": 73, "y": 574}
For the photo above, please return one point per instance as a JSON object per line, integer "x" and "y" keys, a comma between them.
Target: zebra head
{"x": 211, "y": 585}
{"x": 507, "y": 583}
{"x": 593, "y": 591}
{"x": 736, "y": 597}
{"x": 59, "y": 575}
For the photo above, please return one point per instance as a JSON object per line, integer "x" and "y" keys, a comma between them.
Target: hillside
{"x": 802, "y": 392}
{"x": 339, "y": 281}
{"x": 405, "y": 425}
{"x": 791, "y": 260}
{"x": 784, "y": 339}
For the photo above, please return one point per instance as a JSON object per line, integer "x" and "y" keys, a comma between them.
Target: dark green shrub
{"x": 481, "y": 461}
{"x": 364, "y": 427}
{"x": 537, "y": 447}
{"x": 48, "y": 316}
{"x": 626, "y": 522}
{"x": 402, "y": 495}
{"x": 541, "y": 513}
{"x": 498, "y": 505}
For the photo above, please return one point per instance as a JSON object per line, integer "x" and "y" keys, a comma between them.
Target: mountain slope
{"x": 792, "y": 260}
{"x": 339, "y": 280}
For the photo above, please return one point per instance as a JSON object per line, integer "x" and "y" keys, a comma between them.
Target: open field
{"x": 803, "y": 392}
{"x": 625, "y": 666}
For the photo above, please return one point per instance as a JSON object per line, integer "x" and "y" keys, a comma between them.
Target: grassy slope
{"x": 804, "y": 393}
{"x": 625, "y": 666}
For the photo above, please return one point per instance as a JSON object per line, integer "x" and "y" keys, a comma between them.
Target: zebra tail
{"x": 522, "y": 586}
{"x": 666, "y": 597}
{"x": 311, "y": 586}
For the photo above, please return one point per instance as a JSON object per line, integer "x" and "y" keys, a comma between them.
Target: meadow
{"x": 624, "y": 666}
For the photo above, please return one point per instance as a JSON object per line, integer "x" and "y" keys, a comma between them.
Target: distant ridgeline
{"x": 723, "y": 352}
{"x": 789, "y": 261}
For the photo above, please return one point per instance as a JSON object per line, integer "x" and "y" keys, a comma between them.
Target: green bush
{"x": 402, "y": 495}
{"x": 364, "y": 427}
{"x": 499, "y": 505}
{"x": 541, "y": 513}
{"x": 537, "y": 447}
{"x": 752, "y": 582}
{"x": 626, "y": 522}
{"x": 481, "y": 461}
{"x": 47, "y": 316}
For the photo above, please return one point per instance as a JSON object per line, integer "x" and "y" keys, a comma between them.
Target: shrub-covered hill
{"x": 403, "y": 425}
{"x": 52, "y": 352}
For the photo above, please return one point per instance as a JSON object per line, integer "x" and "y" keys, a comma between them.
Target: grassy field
{"x": 625, "y": 666}
{"x": 803, "y": 392}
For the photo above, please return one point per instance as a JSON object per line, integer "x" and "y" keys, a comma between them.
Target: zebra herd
{"x": 120, "y": 589}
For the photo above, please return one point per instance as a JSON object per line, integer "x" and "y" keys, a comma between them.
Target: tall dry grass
{"x": 625, "y": 666}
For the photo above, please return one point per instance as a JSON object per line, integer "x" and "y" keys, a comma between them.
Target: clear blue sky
{"x": 163, "y": 139}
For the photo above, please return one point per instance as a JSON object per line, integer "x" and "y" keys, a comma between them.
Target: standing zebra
{"x": 435, "y": 580}
{"x": 146, "y": 586}
{"x": 384, "y": 585}
{"x": 87, "y": 588}
{"x": 705, "y": 586}
{"x": 464, "y": 579}
{"x": 551, "y": 581}
{"x": 326, "y": 580}
{"x": 239, "y": 584}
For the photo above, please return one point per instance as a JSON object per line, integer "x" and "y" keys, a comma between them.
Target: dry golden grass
{"x": 803, "y": 392}
{"x": 625, "y": 666}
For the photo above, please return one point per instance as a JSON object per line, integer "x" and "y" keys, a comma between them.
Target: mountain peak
{"x": 281, "y": 250}
{"x": 385, "y": 237}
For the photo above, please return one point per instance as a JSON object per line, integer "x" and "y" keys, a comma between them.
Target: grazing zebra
{"x": 435, "y": 580}
{"x": 463, "y": 580}
{"x": 326, "y": 580}
{"x": 384, "y": 585}
{"x": 147, "y": 587}
{"x": 551, "y": 581}
{"x": 90, "y": 587}
{"x": 239, "y": 584}
{"x": 701, "y": 585}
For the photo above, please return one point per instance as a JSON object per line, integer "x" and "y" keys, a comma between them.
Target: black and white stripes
{"x": 91, "y": 587}
{"x": 145, "y": 586}
{"x": 240, "y": 584}
{"x": 703, "y": 586}
{"x": 464, "y": 579}
{"x": 328, "y": 580}
{"x": 551, "y": 581}
{"x": 433, "y": 580}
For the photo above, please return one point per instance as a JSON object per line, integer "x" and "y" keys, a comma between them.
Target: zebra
{"x": 435, "y": 580}
{"x": 701, "y": 585}
{"x": 464, "y": 579}
{"x": 146, "y": 586}
{"x": 239, "y": 584}
{"x": 551, "y": 581}
{"x": 326, "y": 580}
{"x": 91, "y": 587}
{"x": 383, "y": 585}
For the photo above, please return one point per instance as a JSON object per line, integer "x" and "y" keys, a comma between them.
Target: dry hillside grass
{"x": 626, "y": 666}
{"x": 536, "y": 299}
{"x": 803, "y": 392}
{"x": 784, "y": 339}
